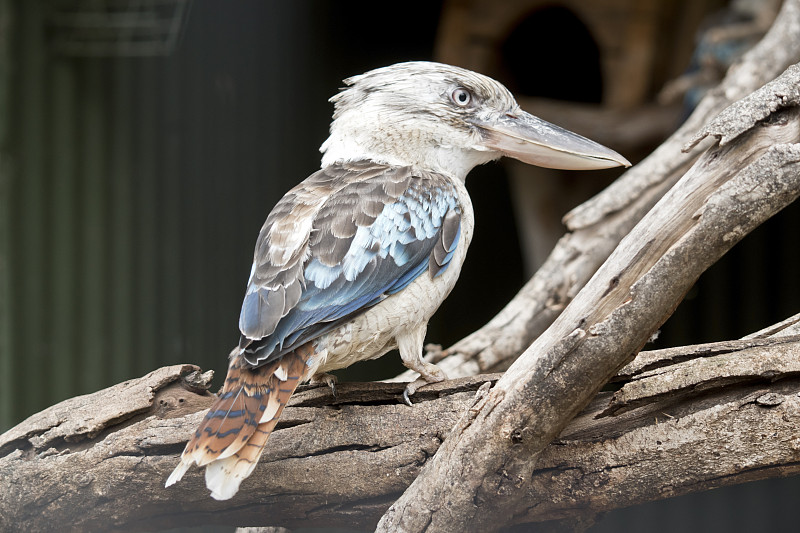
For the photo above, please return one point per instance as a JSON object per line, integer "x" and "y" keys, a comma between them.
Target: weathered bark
{"x": 597, "y": 226}
{"x": 703, "y": 434}
{"x": 98, "y": 462}
{"x": 484, "y": 467}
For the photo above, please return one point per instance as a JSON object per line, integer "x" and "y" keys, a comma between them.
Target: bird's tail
{"x": 235, "y": 430}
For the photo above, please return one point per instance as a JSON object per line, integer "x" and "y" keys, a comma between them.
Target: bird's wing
{"x": 346, "y": 238}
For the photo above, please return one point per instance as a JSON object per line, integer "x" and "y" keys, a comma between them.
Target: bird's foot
{"x": 325, "y": 379}
{"x": 410, "y": 345}
{"x": 435, "y": 376}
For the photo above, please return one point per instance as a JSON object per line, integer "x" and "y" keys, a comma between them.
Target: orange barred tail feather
{"x": 235, "y": 430}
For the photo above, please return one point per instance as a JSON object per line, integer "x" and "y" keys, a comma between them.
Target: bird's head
{"x": 447, "y": 119}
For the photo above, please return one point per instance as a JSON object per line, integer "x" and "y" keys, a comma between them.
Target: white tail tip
{"x": 177, "y": 474}
{"x": 224, "y": 476}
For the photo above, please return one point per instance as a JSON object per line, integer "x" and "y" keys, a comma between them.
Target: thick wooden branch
{"x": 597, "y": 226}
{"x": 484, "y": 467}
{"x": 98, "y": 462}
{"x": 704, "y": 433}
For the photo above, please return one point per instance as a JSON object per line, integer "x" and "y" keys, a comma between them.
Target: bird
{"x": 353, "y": 262}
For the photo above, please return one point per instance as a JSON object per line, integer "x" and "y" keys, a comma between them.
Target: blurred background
{"x": 143, "y": 143}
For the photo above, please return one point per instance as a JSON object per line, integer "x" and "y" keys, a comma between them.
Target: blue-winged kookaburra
{"x": 354, "y": 260}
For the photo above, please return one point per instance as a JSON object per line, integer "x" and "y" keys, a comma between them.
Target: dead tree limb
{"x": 705, "y": 433}
{"x": 483, "y": 469}
{"x": 597, "y": 226}
{"x": 98, "y": 462}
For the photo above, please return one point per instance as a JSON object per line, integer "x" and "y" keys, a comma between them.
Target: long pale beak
{"x": 532, "y": 140}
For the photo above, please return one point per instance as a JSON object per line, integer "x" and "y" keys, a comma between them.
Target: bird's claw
{"x": 406, "y": 398}
{"x": 412, "y": 387}
{"x": 326, "y": 379}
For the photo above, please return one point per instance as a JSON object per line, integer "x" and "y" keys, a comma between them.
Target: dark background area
{"x": 132, "y": 190}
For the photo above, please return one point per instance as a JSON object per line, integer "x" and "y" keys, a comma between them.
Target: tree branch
{"x": 702, "y": 434}
{"x": 484, "y": 467}
{"x": 98, "y": 462}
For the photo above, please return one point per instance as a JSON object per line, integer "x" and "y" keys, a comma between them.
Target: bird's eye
{"x": 461, "y": 97}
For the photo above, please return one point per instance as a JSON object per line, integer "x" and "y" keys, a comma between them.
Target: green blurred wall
{"x": 7, "y": 21}
{"x": 129, "y": 182}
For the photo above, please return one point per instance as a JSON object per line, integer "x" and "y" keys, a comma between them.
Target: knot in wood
{"x": 769, "y": 399}
{"x": 197, "y": 381}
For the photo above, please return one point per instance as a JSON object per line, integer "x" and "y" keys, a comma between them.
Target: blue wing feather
{"x": 383, "y": 257}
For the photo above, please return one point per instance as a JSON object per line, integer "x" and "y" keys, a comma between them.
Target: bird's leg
{"x": 325, "y": 379}
{"x": 410, "y": 346}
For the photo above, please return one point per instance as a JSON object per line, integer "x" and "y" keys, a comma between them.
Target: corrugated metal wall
{"x": 7, "y": 30}
{"x": 132, "y": 177}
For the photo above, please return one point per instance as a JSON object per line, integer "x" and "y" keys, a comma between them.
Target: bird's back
{"x": 346, "y": 239}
